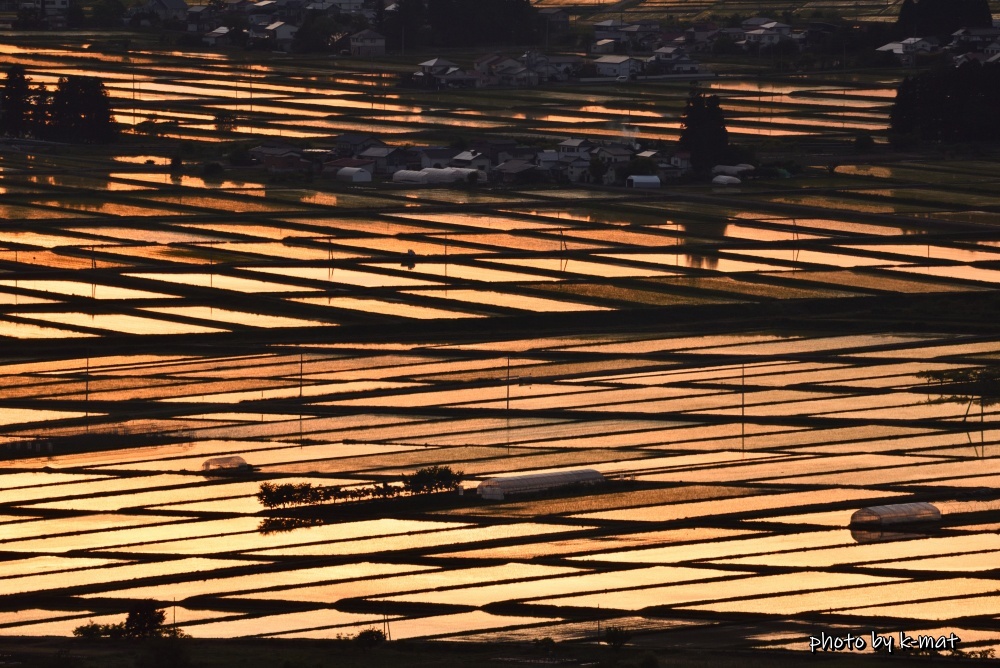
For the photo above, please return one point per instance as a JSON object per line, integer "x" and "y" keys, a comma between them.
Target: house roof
{"x": 616, "y": 150}
{"x": 545, "y": 11}
{"x": 468, "y": 155}
{"x": 378, "y": 152}
{"x": 197, "y": 9}
{"x": 604, "y": 42}
{"x": 579, "y": 143}
{"x": 612, "y": 60}
{"x": 437, "y": 62}
{"x": 173, "y": 4}
{"x": 515, "y": 166}
{"x": 367, "y": 33}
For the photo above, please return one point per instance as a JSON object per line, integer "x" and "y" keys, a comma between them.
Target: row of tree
{"x": 950, "y": 104}
{"x": 457, "y": 22}
{"x": 925, "y": 18}
{"x": 424, "y": 481}
{"x": 78, "y": 111}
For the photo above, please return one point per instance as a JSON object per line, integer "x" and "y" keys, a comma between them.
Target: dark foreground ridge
{"x": 640, "y": 652}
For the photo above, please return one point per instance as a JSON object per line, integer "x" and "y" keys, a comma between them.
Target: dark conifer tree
{"x": 14, "y": 106}
{"x": 925, "y": 18}
{"x": 81, "y": 111}
{"x": 703, "y": 134}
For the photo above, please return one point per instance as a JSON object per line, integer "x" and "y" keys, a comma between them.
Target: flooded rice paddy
{"x": 153, "y": 322}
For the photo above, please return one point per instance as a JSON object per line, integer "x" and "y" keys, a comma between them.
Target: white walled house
{"x": 617, "y": 66}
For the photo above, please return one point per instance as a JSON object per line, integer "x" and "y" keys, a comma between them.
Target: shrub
{"x": 369, "y": 638}
{"x": 617, "y": 637}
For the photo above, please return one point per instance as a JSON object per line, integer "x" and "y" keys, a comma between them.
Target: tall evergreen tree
{"x": 14, "y": 105}
{"x": 81, "y": 111}
{"x": 703, "y": 133}
{"x": 924, "y": 18}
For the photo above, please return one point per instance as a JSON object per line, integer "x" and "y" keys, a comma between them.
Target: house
{"x": 760, "y": 38}
{"x": 575, "y": 148}
{"x": 168, "y": 10}
{"x": 556, "y": 19}
{"x": 517, "y": 171}
{"x": 610, "y": 29}
{"x": 352, "y": 143}
{"x": 367, "y": 43}
{"x": 907, "y": 50}
{"x": 993, "y": 49}
{"x": 435, "y": 156}
{"x": 614, "y": 154}
{"x": 471, "y": 160}
{"x": 217, "y": 37}
{"x": 201, "y": 18}
{"x": 280, "y": 35}
{"x": 574, "y": 169}
{"x": 681, "y": 160}
{"x": 701, "y": 35}
{"x": 755, "y": 22}
{"x": 388, "y": 159}
{"x": 617, "y": 66}
{"x": 974, "y": 37}
{"x": 603, "y": 46}
{"x": 778, "y": 27}
{"x": 498, "y": 150}
{"x": 349, "y": 6}
{"x": 272, "y": 148}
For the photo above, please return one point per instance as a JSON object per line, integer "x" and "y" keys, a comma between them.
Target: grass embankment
{"x": 258, "y": 653}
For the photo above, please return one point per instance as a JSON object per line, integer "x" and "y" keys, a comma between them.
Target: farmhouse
{"x": 367, "y": 43}
{"x": 617, "y": 66}
{"x": 499, "y": 488}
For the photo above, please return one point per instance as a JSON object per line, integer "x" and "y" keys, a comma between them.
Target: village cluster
{"x": 966, "y": 45}
{"x": 360, "y": 158}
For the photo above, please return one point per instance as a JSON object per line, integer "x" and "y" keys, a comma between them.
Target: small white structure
{"x": 409, "y": 176}
{"x": 231, "y": 464}
{"x": 723, "y": 180}
{"x": 354, "y": 175}
{"x": 895, "y": 514}
{"x": 498, "y": 488}
{"x": 637, "y": 181}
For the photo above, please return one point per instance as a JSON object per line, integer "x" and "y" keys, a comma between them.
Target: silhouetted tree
{"x": 144, "y": 620}
{"x": 704, "y": 134}
{"x": 15, "y": 104}
{"x": 81, "y": 112}
{"x": 474, "y": 22}
{"x": 949, "y": 104}
{"x": 941, "y": 17}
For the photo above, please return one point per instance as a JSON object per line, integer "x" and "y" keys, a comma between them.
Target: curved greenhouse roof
{"x": 232, "y": 463}
{"x": 498, "y": 488}
{"x": 900, "y": 513}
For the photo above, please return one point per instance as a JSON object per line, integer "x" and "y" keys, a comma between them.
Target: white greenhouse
{"x": 409, "y": 176}
{"x": 900, "y": 513}
{"x": 232, "y": 464}
{"x": 354, "y": 175}
{"x": 723, "y": 180}
{"x": 637, "y": 181}
{"x": 498, "y": 488}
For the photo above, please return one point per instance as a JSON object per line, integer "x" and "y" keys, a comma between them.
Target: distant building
{"x": 367, "y": 43}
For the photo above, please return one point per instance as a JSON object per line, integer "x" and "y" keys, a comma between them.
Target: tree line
{"x": 941, "y": 17}
{"x": 951, "y": 104}
{"x": 77, "y": 111}
{"x": 424, "y": 481}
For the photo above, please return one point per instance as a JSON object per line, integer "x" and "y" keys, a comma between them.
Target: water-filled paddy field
{"x": 744, "y": 364}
